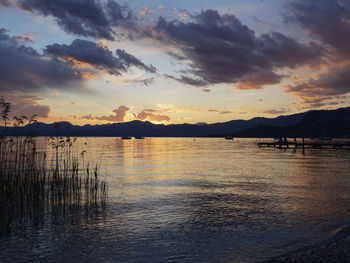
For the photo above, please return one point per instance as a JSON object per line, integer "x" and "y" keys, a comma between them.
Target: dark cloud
{"x": 14, "y": 39}
{"x": 5, "y": 3}
{"x": 20, "y": 109}
{"x": 258, "y": 79}
{"x": 188, "y": 80}
{"x": 89, "y": 18}
{"x": 146, "y": 81}
{"x": 24, "y": 38}
{"x": 283, "y": 51}
{"x": 129, "y": 60}
{"x": 327, "y": 20}
{"x": 97, "y": 56}
{"x": 325, "y": 88}
{"x": 28, "y": 50}
{"x": 141, "y": 81}
{"x": 223, "y": 50}
{"x": 26, "y": 105}
{"x": 176, "y": 56}
{"x": 23, "y": 69}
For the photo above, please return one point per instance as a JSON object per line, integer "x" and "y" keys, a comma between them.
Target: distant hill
{"x": 323, "y": 123}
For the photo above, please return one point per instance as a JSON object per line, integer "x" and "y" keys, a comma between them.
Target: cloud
{"x": 26, "y": 105}
{"x": 150, "y": 116}
{"x": 87, "y": 117}
{"x": 223, "y": 50}
{"x": 327, "y": 20}
{"x": 5, "y": 3}
{"x": 283, "y": 51}
{"x": 323, "y": 89}
{"x": 145, "y": 11}
{"x": 130, "y": 60}
{"x": 84, "y": 53}
{"x": 274, "y": 111}
{"x": 90, "y": 18}
{"x": 118, "y": 116}
{"x": 173, "y": 109}
{"x": 134, "y": 80}
{"x": 221, "y": 112}
{"x": 23, "y": 69}
{"x": 15, "y": 39}
{"x": 257, "y": 80}
{"x": 188, "y": 80}
{"x": 26, "y": 37}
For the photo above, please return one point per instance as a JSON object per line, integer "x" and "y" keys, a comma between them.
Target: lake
{"x": 192, "y": 200}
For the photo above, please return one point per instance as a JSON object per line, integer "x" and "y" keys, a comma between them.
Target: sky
{"x": 174, "y": 61}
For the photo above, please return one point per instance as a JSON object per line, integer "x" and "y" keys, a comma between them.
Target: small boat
{"x": 126, "y": 138}
{"x": 229, "y": 138}
{"x": 139, "y": 137}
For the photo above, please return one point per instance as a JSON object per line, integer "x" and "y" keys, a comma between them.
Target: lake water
{"x": 193, "y": 200}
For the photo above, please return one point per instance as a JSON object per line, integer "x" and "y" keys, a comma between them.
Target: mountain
{"x": 323, "y": 123}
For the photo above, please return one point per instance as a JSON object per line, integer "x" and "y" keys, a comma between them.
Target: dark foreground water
{"x": 186, "y": 200}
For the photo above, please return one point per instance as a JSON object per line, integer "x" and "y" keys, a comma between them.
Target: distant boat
{"x": 229, "y": 138}
{"x": 126, "y": 138}
{"x": 139, "y": 137}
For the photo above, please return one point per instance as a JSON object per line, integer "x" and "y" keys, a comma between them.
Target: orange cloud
{"x": 117, "y": 116}
{"x": 77, "y": 63}
{"x": 89, "y": 75}
{"x": 150, "y": 116}
{"x": 145, "y": 11}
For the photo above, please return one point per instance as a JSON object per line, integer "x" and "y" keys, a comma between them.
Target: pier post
{"x": 303, "y": 144}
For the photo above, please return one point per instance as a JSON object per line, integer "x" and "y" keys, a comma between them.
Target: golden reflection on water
{"x": 212, "y": 199}
{"x": 156, "y": 167}
{"x": 310, "y": 184}
{"x": 286, "y": 180}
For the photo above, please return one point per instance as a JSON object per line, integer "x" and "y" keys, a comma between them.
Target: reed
{"x": 32, "y": 179}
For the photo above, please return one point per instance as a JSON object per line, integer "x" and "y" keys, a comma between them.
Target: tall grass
{"x": 34, "y": 177}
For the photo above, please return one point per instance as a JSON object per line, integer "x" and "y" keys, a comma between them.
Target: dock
{"x": 303, "y": 145}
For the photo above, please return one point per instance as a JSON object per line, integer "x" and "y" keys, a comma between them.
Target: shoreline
{"x": 334, "y": 249}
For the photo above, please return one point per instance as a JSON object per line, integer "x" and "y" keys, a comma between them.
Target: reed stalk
{"x": 32, "y": 179}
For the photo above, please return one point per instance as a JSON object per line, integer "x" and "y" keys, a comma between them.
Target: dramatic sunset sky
{"x": 173, "y": 61}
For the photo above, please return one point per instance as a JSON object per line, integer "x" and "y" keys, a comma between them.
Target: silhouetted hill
{"x": 325, "y": 123}
{"x": 322, "y": 123}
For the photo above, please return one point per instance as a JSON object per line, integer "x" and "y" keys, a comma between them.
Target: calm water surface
{"x": 193, "y": 200}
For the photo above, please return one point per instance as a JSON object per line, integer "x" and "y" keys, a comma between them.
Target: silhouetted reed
{"x": 32, "y": 180}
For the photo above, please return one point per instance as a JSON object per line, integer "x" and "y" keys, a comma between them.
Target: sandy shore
{"x": 336, "y": 249}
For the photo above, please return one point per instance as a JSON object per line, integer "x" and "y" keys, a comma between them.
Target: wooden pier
{"x": 302, "y": 145}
